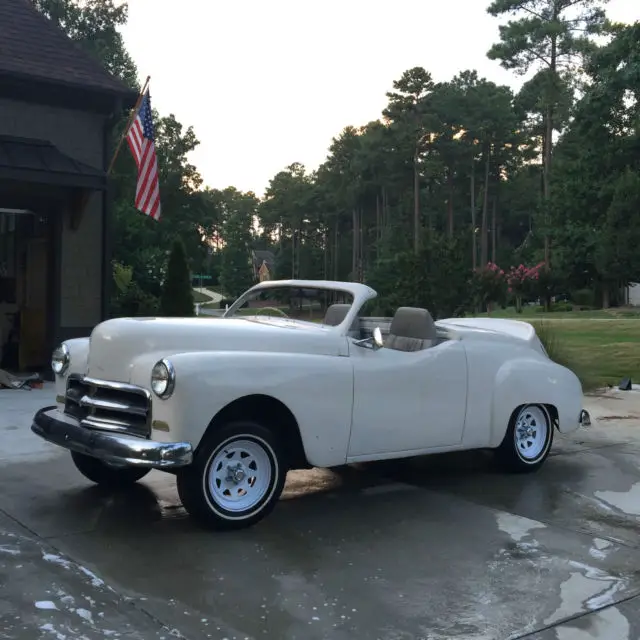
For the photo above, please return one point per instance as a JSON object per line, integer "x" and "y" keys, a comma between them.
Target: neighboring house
{"x": 633, "y": 294}
{"x": 263, "y": 272}
{"x": 57, "y": 109}
{"x": 263, "y": 264}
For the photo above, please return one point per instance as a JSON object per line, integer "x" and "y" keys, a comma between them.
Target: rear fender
{"x": 533, "y": 380}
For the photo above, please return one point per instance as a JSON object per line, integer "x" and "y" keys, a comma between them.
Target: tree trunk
{"x": 385, "y": 207}
{"x": 484, "y": 249}
{"x": 450, "y": 203}
{"x": 494, "y": 232}
{"x": 336, "y": 250}
{"x": 416, "y": 206}
{"x": 361, "y": 248}
{"x": 378, "y": 226}
{"x": 606, "y": 299}
{"x": 548, "y": 144}
{"x": 293, "y": 254}
{"x": 354, "y": 246}
{"x": 474, "y": 245}
{"x": 546, "y": 179}
{"x": 325, "y": 245}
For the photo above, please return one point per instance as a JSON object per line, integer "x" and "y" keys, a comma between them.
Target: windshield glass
{"x": 309, "y": 304}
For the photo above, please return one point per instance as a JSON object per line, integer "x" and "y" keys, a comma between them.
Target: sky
{"x": 266, "y": 83}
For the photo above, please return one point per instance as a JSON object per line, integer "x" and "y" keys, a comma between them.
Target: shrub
{"x": 524, "y": 281}
{"x": 128, "y": 298}
{"x": 556, "y": 306}
{"x": 177, "y": 295}
{"x": 583, "y": 297}
{"x": 133, "y": 302}
{"x": 489, "y": 285}
{"x": 436, "y": 279}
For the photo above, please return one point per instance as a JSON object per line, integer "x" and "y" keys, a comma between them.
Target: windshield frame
{"x": 361, "y": 293}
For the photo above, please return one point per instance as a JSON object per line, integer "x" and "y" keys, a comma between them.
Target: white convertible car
{"x": 293, "y": 376}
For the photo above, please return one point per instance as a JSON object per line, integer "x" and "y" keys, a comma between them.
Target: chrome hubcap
{"x": 235, "y": 474}
{"x": 531, "y": 433}
{"x": 240, "y": 474}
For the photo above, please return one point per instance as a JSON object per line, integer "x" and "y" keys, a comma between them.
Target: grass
{"x": 199, "y": 297}
{"x": 534, "y": 312}
{"x": 601, "y": 346}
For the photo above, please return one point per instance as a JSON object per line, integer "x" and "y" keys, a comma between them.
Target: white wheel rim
{"x": 239, "y": 475}
{"x": 531, "y": 433}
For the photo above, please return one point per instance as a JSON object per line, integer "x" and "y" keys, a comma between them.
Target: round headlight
{"x": 60, "y": 359}
{"x": 163, "y": 379}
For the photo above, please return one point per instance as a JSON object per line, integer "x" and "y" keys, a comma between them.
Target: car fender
{"x": 318, "y": 390}
{"x": 534, "y": 380}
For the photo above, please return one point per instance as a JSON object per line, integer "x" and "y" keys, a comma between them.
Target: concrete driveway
{"x": 435, "y": 548}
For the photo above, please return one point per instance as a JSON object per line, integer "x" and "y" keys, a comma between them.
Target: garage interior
{"x": 39, "y": 185}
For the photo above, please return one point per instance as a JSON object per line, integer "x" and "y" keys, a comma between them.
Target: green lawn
{"x": 601, "y": 346}
{"x": 529, "y": 313}
{"x": 199, "y": 297}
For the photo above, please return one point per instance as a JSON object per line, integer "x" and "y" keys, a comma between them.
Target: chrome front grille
{"x": 109, "y": 406}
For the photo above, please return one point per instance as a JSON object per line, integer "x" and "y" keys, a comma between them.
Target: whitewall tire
{"x": 527, "y": 442}
{"x": 236, "y": 478}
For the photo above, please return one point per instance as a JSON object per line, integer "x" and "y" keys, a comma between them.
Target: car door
{"x": 407, "y": 401}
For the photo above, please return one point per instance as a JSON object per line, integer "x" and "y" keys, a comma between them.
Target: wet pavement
{"x": 429, "y": 549}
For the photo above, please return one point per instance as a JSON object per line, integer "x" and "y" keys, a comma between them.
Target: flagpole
{"x": 133, "y": 114}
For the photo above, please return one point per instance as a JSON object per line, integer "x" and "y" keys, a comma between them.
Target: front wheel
{"x": 528, "y": 439}
{"x": 107, "y": 475}
{"x": 236, "y": 478}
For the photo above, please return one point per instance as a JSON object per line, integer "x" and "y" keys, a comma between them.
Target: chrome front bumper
{"x": 65, "y": 431}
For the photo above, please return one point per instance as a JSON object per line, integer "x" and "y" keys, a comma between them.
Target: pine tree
{"x": 177, "y": 295}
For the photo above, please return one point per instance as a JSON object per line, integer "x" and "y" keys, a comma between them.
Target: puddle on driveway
{"x": 626, "y": 501}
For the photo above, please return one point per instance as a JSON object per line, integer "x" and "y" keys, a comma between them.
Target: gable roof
{"x": 260, "y": 256}
{"x": 31, "y": 46}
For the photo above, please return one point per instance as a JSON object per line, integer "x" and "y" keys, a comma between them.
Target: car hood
{"x": 115, "y": 344}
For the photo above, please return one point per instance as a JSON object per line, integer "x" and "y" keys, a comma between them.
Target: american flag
{"x": 142, "y": 144}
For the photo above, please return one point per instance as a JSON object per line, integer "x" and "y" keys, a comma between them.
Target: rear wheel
{"x": 528, "y": 439}
{"x": 107, "y": 475}
{"x": 236, "y": 478}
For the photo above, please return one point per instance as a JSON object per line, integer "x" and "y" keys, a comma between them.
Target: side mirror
{"x": 375, "y": 342}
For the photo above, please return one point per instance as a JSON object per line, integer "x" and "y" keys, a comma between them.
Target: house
{"x": 632, "y": 294}
{"x": 57, "y": 109}
{"x": 263, "y": 264}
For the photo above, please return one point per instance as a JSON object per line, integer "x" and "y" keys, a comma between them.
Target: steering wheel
{"x": 269, "y": 311}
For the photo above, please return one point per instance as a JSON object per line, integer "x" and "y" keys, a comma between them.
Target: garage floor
{"x": 441, "y": 547}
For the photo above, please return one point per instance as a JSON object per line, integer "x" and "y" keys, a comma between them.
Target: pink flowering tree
{"x": 489, "y": 283}
{"x": 522, "y": 280}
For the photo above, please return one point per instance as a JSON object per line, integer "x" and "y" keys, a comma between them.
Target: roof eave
{"x": 57, "y": 91}
{"x": 58, "y": 179}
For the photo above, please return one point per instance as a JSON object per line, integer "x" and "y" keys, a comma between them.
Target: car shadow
{"x": 473, "y": 475}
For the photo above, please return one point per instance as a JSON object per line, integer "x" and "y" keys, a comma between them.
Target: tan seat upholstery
{"x": 412, "y": 329}
{"x": 335, "y": 314}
